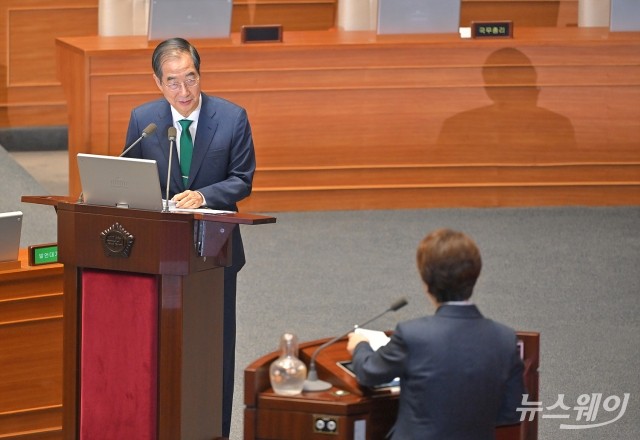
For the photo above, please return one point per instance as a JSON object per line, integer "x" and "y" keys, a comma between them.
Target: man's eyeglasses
{"x": 175, "y": 85}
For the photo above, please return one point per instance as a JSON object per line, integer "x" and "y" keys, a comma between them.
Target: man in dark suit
{"x": 460, "y": 373}
{"x": 213, "y": 162}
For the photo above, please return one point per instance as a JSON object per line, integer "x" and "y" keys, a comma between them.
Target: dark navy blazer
{"x": 460, "y": 375}
{"x": 223, "y": 160}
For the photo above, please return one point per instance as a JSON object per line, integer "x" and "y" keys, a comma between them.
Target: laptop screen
{"x": 189, "y": 19}
{"x": 120, "y": 181}
{"x": 418, "y": 16}
{"x": 10, "y": 230}
{"x": 625, "y": 16}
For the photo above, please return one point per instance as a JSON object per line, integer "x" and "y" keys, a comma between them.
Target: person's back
{"x": 458, "y": 367}
{"x": 460, "y": 373}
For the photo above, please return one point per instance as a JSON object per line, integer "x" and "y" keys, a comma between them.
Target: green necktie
{"x": 186, "y": 150}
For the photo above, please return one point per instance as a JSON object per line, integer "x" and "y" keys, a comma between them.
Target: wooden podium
{"x": 143, "y": 319}
{"x": 348, "y": 411}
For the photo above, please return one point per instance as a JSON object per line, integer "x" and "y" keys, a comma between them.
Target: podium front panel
{"x": 118, "y": 356}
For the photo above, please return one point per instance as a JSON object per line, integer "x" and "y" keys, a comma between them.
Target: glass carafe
{"x": 288, "y": 373}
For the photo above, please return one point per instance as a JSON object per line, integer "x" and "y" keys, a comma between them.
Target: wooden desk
{"x": 31, "y": 351}
{"x": 350, "y": 120}
{"x": 271, "y": 416}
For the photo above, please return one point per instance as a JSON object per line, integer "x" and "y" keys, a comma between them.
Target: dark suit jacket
{"x": 460, "y": 375}
{"x": 223, "y": 160}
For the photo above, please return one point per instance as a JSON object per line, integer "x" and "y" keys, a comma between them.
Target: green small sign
{"x": 45, "y": 255}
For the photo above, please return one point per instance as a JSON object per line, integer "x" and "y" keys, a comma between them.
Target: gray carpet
{"x": 47, "y": 138}
{"x": 570, "y": 273}
{"x": 39, "y": 222}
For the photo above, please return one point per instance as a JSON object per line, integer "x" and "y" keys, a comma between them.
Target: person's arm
{"x": 240, "y": 170}
{"x": 381, "y": 366}
{"x": 512, "y": 397}
{"x": 354, "y": 340}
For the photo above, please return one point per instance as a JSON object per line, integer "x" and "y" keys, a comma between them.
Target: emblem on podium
{"x": 116, "y": 241}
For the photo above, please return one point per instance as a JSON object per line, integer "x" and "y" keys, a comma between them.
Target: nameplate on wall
{"x": 492, "y": 29}
{"x": 271, "y": 33}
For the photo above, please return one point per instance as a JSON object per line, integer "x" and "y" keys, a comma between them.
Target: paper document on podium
{"x": 379, "y": 339}
{"x": 376, "y": 338}
{"x": 172, "y": 208}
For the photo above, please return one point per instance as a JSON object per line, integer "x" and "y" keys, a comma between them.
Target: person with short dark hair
{"x": 460, "y": 373}
{"x": 213, "y": 163}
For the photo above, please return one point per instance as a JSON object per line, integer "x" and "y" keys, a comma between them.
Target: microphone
{"x": 171, "y": 133}
{"x": 313, "y": 383}
{"x": 146, "y": 132}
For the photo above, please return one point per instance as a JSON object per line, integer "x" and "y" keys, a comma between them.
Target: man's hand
{"x": 188, "y": 199}
{"x": 355, "y": 339}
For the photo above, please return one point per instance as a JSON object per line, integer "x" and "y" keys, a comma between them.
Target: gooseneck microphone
{"x": 171, "y": 133}
{"x": 313, "y": 383}
{"x": 146, "y": 132}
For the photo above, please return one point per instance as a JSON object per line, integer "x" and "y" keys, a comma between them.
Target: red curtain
{"x": 119, "y": 356}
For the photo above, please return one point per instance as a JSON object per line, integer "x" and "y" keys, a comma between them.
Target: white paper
{"x": 172, "y": 208}
{"x": 201, "y": 210}
{"x": 376, "y": 338}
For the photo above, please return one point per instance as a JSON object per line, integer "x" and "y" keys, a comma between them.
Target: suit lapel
{"x": 207, "y": 125}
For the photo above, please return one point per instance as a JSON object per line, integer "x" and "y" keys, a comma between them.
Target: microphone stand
{"x": 313, "y": 383}
{"x": 132, "y": 145}
{"x": 146, "y": 132}
{"x": 172, "y": 132}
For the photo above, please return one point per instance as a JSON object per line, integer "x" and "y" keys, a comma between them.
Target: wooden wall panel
{"x": 36, "y": 424}
{"x": 31, "y": 354}
{"x": 293, "y": 15}
{"x": 30, "y": 92}
{"x": 347, "y": 121}
{"x": 32, "y": 362}
{"x": 399, "y": 177}
{"x": 32, "y": 34}
{"x": 444, "y": 196}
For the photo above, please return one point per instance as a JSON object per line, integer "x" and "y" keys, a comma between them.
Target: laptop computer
{"x": 418, "y": 16}
{"x": 120, "y": 181}
{"x": 625, "y": 16}
{"x": 189, "y": 19}
{"x": 10, "y": 230}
